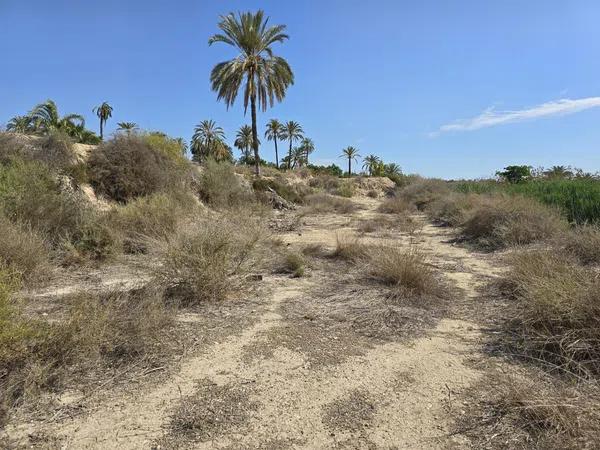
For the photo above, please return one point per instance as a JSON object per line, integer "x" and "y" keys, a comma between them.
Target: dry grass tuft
{"x": 405, "y": 269}
{"x": 558, "y": 318}
{"x": 349, "y": 248}
{"x": 453, "y": 209}
{"x": 292, "y": 263}
{"x": 583, "y": 242}
{"x": 501, "y": 221}
{"x": 325, "y": 203}
{"x": 422, "y": 193}
{"x": 314, "y": 250}
{"x": 207, "y": 260}
{"x": 396, "y": 205}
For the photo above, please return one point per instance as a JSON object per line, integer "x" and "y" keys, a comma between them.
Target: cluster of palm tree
{"x": 45, "y": 118}
{"x": 373, "y": 164}
{"x": 292, "y": 132}
{"x": 208, "y": 141}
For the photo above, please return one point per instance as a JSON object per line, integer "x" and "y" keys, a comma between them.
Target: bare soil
{"x": 328, "y": 360}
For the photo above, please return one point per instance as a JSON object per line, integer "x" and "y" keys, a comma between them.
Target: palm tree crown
{"x": 104, "y": 112}
{"x": 351, "y": 153}
{"x": 273, "y": 133}
{"x": 244, "y": 141}
{"x": 292, "y": 131}
{"x": 207, "y": 137}
{"x": 370, "y": 163}
{"x": 308, "y": 146}
{"x": 20, "y": 124}
{"x": 266, "y": 76}
{"x": 127, "y": 127}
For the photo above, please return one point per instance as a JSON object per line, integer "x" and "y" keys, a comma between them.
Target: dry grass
{"x": 403, "y": 269}
{"x": 328, "y": 204}
{"x": 314, "y": 250}
{"x": 92, "y": 334}
{"x": 583, "y": 242}
{"x": 23, "y": 251}
{"x": 422, "y": 193}
{"x": 349, "y": 248}
{"x": 207, "y": 260}
{"x": 452, "y": 209}
{"x": 396, "y": 205}
{"x": 534, "y": 412}
{"x": 501, "y": 221}
{"x": 294, "y": 264}
{"x": 558, "y": 318}
{"x": 220, "y": 188}
{"x": 388, "y": 223}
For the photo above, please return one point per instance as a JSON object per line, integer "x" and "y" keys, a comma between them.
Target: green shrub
{"x": 220, "y": 187}
{"x": 166, "y": 145}
{"x": 127, "y": 167}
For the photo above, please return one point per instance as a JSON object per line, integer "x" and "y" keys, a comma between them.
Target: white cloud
{"x": 490, "y": 117}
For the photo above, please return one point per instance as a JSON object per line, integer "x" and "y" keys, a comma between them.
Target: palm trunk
{"x": 349, "y": 167}
{"x": 101, "y": 130}
{"x": 290, "y": 156}
{"x": 255, "y": 136}
{"x": 276, "y": 155}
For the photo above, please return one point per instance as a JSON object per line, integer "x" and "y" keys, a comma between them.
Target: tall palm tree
{"x": 20, "y": 124}
{"x": 274, "y": 129}
{"x": 298, "y": 157}
{"x": 244, "y": 141}
{"x": 127, "y": 127}
{"x": 46, "y": 119}
{"x": 392, "y": 169}
{"x": 266, "y": 76}
{"x": 308, "y": 146}
{"x": 104, "y": 112}
{"x": 292, "y": 131}
{"x": 351, "y": 153}
{"x": 370, "y": 163}
{"x": 206, "y": 135}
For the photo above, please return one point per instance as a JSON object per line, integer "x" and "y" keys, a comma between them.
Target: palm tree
{"x": 298, "y": 157}
{"x": 274, "y": 130}
{"x": 127, "y": 127}
{"x": 392, "y": 169}
{"x": 266, "y": 76}
{"x": 559, "y": 172}
{"x": 292, "y": 131}
{"x": 370, "y": 163}
{"x": 104, "y": 112}
{"x": 351, "y": 153}
{"x": 46, "y": 119}
{"x": 308, "y": 146}
{"x": 244, "y": 141}
{"x": 206, "y": 135}
{"x": 20, "y": 124}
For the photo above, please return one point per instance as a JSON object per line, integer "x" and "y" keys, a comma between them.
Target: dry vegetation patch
{"x": 328, "y": 204}
{"x": 583, "y": 242}
{"x": 396, "y": 205}
{"x": 353, "y": 413}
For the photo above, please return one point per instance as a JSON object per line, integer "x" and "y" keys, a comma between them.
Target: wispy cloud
{"x": 490, "y": 117}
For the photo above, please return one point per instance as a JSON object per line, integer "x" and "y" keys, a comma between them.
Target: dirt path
{"x": 300, "y": 377}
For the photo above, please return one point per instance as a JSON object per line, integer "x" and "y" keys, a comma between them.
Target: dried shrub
{"x": 208, "y": 261}
{"x": 421, "y": 193}
{"x": 558, "y": 317}
{"x": 395, "y": 205}
{"x": 292, "y": 263}
{"x": 349, "y": 248}
{"x": 501, "y": 221}
{"x": 294, "y": 193}
{"x": 583, "y": 242}
{"x": 345, "y": 189}
{"x": 128, "y": 166}
{"x": 326, "y": 182}
{"x": 325, "y": 203}
{"x": 453, "y": 209}
{"x": 221, "y": 188}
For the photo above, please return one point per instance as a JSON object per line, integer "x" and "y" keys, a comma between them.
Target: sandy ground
{"x": 301, "y": 374}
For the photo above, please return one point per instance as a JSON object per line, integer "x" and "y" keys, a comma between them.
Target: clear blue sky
{"x": 409, "y": 81}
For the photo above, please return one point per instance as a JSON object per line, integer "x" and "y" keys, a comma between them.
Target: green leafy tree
{"x": 104, "y": 112}
{"x": 371, "y": 163}
{"x": 266, "y": 76}
{"x": 273, "y": 133}
{"x": 207, "y": 137}
{"x": 515, "y": 174}
{"x": 351, "y": 154}
{"x": 127, "y": 127}
{"x": 292, "y": 132}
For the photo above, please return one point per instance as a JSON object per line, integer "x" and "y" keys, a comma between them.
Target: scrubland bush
{"x": 558, "y": 318}
{"x": 294, "y": 193}
{"x": 395, "y": 205}
{"x": 207, "y": 261}
{"x": 325, "y": 203}
{"x": 112, "y": 330}
{"x": 346, "y": 189}
{"x": 23, "y": 251}
{"x": 583, "y": 242}
{"x": 128, "y": 166}
{"x": 170, "y": 147}
{"x": 421, "y": 193}
{"x": 292, "y": 263}
{"x": 405, "y": 269}
{"x": 220, "y": 187}
{"x": 452, "y": 209}
{"x": 325, "y": 182}
{"x": 501, "y": 221}
{"x": 372, "y": 193}
{"x": 349, "y": 248}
